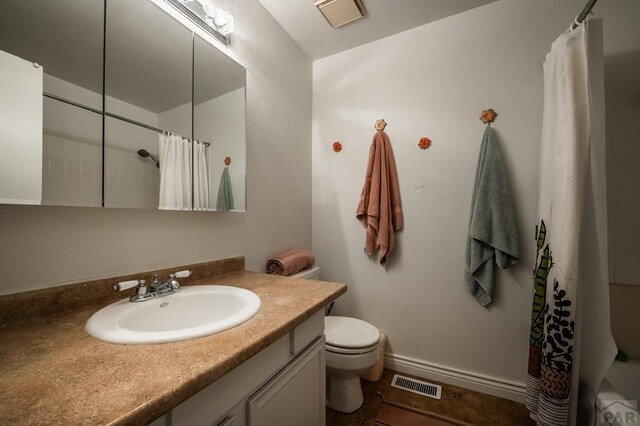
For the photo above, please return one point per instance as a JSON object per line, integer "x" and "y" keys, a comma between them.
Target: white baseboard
{"x": 495, "y": 386}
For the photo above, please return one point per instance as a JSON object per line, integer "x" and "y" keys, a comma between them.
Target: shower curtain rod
{"x": 109, "y": 114}
{"x": 583, "y": 15}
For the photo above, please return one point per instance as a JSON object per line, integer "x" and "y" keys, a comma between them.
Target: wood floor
{"x": 457, "y": 403}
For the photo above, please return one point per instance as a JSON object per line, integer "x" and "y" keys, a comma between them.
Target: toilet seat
{"x": 353, "y": 351}
{"x": 350, "y": 335}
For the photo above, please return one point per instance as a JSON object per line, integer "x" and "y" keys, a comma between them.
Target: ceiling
{"x": 308, "y": 28}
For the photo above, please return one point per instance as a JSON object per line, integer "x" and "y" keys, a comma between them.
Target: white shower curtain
{"x": 570, "y": 341}
{"x": 200, "y": 177}
{"x": 175, "y": 172}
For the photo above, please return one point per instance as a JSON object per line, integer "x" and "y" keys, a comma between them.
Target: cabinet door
{"x": 216, "y": 400}
{"x": 20, "y": 131}
{"x": 296, "y": 396}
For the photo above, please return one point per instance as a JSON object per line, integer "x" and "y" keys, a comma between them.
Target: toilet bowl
{"x": 351, "y": 350}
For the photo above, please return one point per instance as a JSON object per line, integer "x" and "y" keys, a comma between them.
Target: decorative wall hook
{"x": 227, "y": 160}
{"x": 380, "y": 124}
{"x": 488, "y": 116}
{"x": 337, "y": 146}
{"x": 424, "y": 143}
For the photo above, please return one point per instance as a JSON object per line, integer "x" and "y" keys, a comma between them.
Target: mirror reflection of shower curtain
{"x": 200, "y": 177}
{"x": 175, "y": 172}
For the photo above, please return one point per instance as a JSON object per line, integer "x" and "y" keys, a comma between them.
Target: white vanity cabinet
{"x": 284, "y": 384}
{"x": 296, "y": 396}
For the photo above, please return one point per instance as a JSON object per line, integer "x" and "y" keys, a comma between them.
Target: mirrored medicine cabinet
{"x": 115, "y": 103}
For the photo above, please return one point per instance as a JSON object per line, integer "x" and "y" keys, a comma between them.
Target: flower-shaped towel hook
{"x": 424, "y": 143}
{"x": 337, "y": 146}
{"x": 380, "y": 124}
{"x": 488, "y": 116}
{"x": 227, "y": 160}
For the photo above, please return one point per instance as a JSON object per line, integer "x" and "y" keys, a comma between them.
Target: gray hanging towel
{"x": 225, "y": 194}
{"x": 493, "y": 234}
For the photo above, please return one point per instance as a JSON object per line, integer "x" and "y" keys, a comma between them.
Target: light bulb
{"x": 220, "y": 20}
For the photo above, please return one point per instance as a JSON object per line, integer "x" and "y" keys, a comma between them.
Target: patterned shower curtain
{"x": 569, "y": 201}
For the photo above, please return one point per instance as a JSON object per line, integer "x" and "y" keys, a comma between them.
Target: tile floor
{"x": 458, "y": 403}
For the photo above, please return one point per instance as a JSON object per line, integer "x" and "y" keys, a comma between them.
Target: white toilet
{"x": 351, "y": 349}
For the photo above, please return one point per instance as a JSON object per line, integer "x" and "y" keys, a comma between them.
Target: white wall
{"x": 434, "y": 81}
{"x": 44, "y": 246}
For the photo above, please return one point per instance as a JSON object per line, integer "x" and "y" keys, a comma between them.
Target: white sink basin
{"x": 191, "y": 313}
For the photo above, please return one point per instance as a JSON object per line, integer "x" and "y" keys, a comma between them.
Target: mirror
{"x": 60, "y": 162}
{"x": 65, "y": 38}
{"x": 148, "y": 89}
{"x": 173, "y": 109}
{"x": 219, "y": 118}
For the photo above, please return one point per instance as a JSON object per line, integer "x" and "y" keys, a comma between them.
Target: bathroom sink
{"x": 193, "y": 312}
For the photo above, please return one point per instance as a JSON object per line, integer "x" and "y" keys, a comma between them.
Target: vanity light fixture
{"x": 218, "y": 19}
{"x": 203, "y": 13}
{"x": 340, "y": 12}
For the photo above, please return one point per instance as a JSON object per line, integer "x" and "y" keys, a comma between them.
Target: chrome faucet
{"x": 157, "y": 288}
{"x": 155, "y": 284}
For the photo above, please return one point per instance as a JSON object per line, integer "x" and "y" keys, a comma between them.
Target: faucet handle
{"x": 182, "y": 274}
{"x": 126, "y": 285}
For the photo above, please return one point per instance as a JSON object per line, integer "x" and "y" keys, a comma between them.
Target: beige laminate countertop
{"x": 53, "y": 372}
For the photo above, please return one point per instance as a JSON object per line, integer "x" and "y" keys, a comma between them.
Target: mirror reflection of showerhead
{"x": 144, "y": 154}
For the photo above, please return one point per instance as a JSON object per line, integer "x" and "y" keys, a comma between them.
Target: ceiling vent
{"x": 340, "y": 12}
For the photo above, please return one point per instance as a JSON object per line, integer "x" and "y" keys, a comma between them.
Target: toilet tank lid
{"x": 308, "y": 273}
{"x": 352, "y": 333}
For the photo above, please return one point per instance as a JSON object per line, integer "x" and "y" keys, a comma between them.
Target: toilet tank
{"x": 313, "y": 274}
{"x": 308, "y": 274}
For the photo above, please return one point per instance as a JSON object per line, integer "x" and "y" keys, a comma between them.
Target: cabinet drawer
{"x": 304, "y": 334}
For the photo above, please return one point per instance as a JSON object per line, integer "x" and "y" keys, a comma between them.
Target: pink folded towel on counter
{"x": 379, "y": 209}
{"x": 290, "y": 262}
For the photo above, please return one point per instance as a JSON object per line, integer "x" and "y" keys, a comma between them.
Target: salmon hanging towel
{"x": 379, "y": 208}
